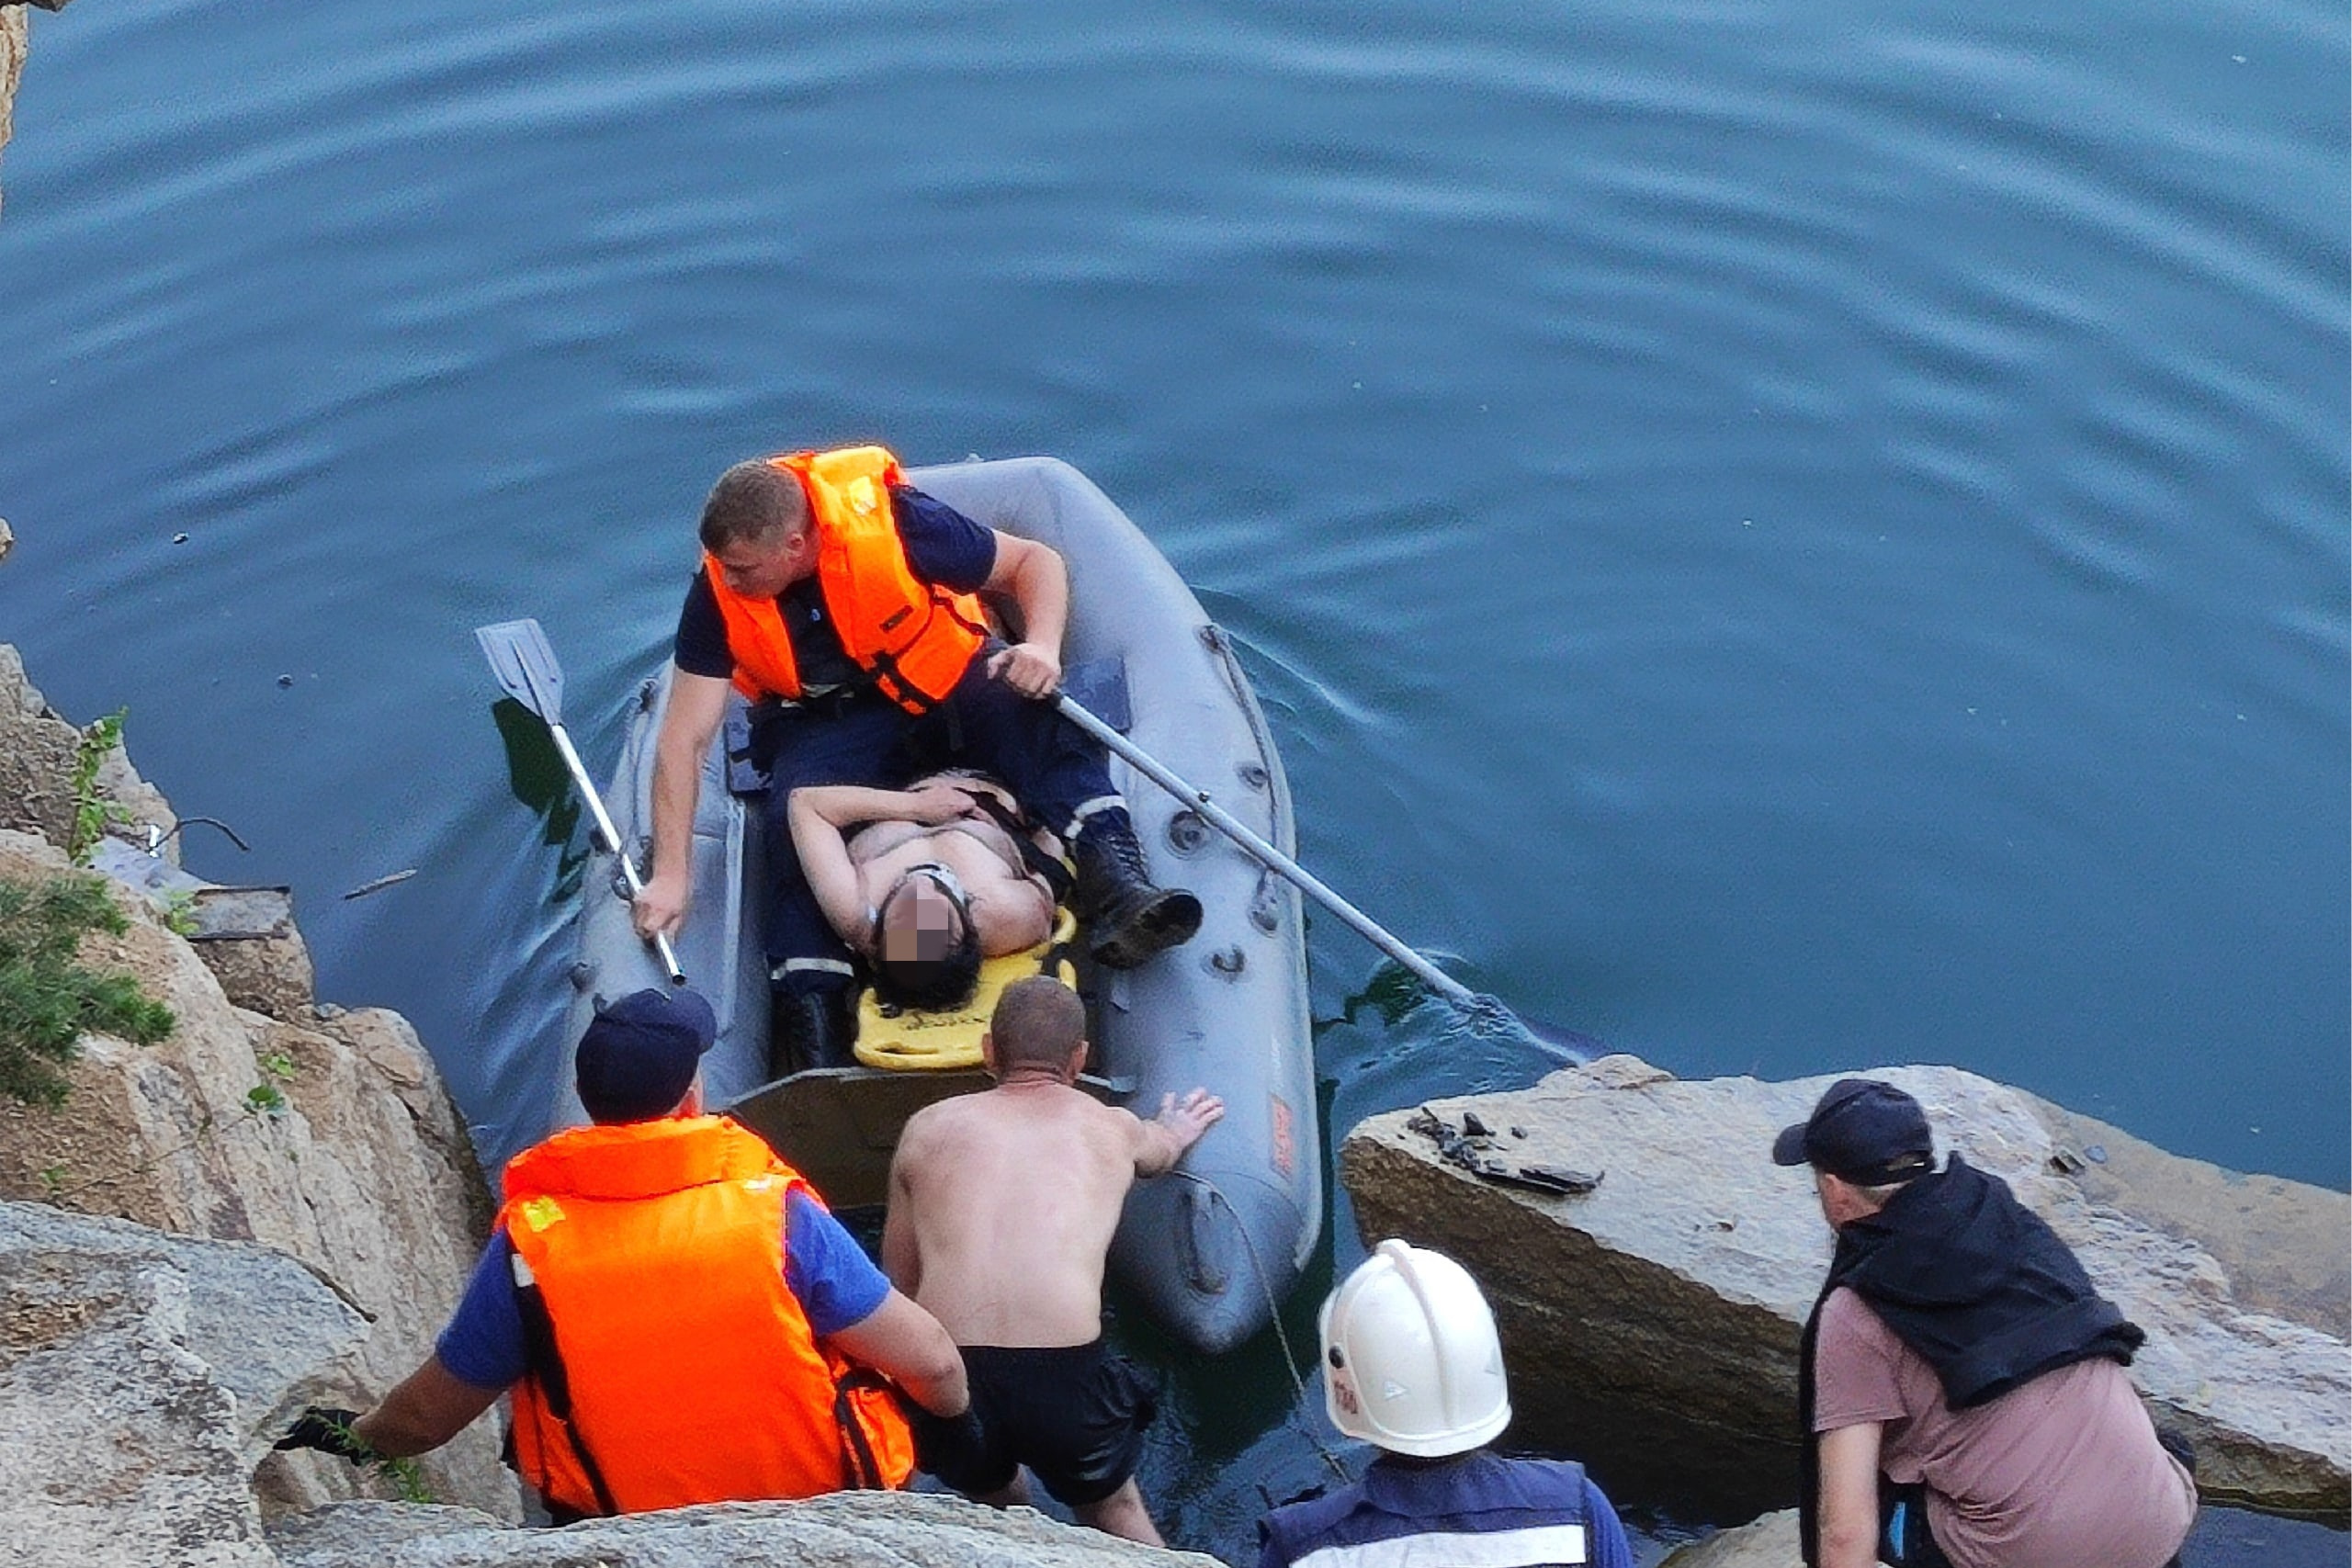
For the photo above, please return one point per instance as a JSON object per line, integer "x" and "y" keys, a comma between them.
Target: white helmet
{"x": 1410, "y": 1360}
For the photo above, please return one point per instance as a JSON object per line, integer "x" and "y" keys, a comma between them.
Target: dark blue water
{"x": 1784, "y": 537}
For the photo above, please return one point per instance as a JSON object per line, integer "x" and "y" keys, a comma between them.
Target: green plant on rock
{"x": 408, "y": 1480}
{"x": 47, "y": 998}
{"x": 93, "y": 813}
{"x": 175, "y": 908}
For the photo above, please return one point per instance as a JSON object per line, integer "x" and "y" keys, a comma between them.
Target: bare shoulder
{"x": 924, "y": 1131}
{"x": 1127, "y": 1127}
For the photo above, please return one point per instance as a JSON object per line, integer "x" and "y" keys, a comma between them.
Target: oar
{"x": 519, "y": 656}
{"x": 1297, "y": 875}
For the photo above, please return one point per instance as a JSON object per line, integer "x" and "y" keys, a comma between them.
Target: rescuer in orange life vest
{"x": 843, "y": 603}
{"x": 680, "y": 1318}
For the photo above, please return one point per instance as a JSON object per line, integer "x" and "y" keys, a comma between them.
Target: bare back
{"x": 1003, "y": 1204}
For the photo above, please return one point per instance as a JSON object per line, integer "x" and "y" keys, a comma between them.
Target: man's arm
{"x": 820, "y": 815}
{"x": 824, "y": 857}
{"x": 1161, "y": 1142}
{"x": 907, "y": 1345}
{"x": 430, "y": 1406}
{"x": 902, "y": 1256}
{"x": 697, "y": 704}
{"x": 1608, "y": 1548}
{"x": 1849, "y": 1497}
{"x": 1033, "y": 575}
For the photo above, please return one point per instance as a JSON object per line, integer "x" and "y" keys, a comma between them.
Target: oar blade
{"x": 525, "y": 665}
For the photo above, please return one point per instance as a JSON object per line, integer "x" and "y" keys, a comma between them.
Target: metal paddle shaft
{"x": 525, "y": 664}
{"x": 1297, "y": 875}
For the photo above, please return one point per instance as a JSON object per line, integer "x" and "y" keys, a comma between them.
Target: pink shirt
{"x": 2063, "y": 1473}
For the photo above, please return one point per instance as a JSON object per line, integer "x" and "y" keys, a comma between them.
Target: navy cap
{"x": 1865, "y": 1132}
{"x": 637, "y": 1055}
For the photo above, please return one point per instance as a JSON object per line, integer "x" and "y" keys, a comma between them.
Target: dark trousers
{"x": 1904, "y": 1539}
{"x": 1052, "y": 767}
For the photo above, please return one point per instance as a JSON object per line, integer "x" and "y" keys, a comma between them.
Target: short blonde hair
{"x": 1038, "y": 1022}
{"x": 753, "y": 502}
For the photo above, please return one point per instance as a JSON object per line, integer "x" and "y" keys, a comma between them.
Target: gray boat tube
{"x": 1212, "y": 1249}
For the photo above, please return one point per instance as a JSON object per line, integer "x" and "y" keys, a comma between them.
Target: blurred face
{"x": 764, "y": 568}
{"x": 919, "y": 923}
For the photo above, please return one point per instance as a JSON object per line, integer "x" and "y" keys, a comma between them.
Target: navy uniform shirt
{"x": 1479, "y": 1510}
{"x": 943, "y": 546}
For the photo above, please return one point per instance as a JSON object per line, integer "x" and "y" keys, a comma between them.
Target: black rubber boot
{"x": 809, "y": 1029}
{"x": 1127, "y": 919}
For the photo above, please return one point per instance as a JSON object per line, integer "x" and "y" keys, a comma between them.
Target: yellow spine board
{"x": 942, "y": 1042}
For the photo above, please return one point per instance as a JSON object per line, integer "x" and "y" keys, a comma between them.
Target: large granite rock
{"x": 1768, "y": 1542}
{"x": 1651, "y": 1324}
{"x": 322, "y": 1131}
{"x": 334, "y": 1142}
{"x": 141, "y": 1376}
{"x": 858, "y": 1530}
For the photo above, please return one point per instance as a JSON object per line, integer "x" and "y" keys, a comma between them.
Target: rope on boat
{"x": 1282, "y": 1336}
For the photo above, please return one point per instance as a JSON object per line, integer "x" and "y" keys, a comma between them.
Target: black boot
{"x": 1127, "y": 919}
{"x": 809, "y": 1029}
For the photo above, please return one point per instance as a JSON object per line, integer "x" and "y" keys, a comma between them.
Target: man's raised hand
{"x": 1185, "y": 1120}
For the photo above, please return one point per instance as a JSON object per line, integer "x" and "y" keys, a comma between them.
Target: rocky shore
{"x": 1651, "y": 1322}
{"x": 278, "y": 1204}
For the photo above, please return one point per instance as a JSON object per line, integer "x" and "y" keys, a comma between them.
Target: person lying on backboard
{"x": 925, "y": 882}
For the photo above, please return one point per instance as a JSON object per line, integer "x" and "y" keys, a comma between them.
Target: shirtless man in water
{"x": 923, "y": 882}
{"x": 1001, "y": 1209}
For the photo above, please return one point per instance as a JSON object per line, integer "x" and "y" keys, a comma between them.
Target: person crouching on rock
{"x": 1960, "y": 1384}
{"x": 681, "y": 1319}
{"x": 1412, "y": 1365}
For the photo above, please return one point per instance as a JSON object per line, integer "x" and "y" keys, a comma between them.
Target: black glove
{"x": 328, "y": 1431}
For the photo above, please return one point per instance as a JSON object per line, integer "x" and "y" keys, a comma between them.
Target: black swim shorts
{"x": 1074, "y": 1414}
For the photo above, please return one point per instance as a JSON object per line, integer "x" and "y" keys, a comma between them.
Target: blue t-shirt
{"x": 827, "y": 1273}
{"x": 943, "y": 546}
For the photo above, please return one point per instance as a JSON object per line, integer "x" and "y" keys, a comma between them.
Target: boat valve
{"x": 1188, "y": 833}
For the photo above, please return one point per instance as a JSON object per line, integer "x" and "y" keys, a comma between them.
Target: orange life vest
{"x": 685, "y": 1369}
{"x": 913, "y": 637}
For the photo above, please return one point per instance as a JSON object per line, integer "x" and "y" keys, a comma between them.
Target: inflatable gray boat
{"x": 1211, "y": 1250}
